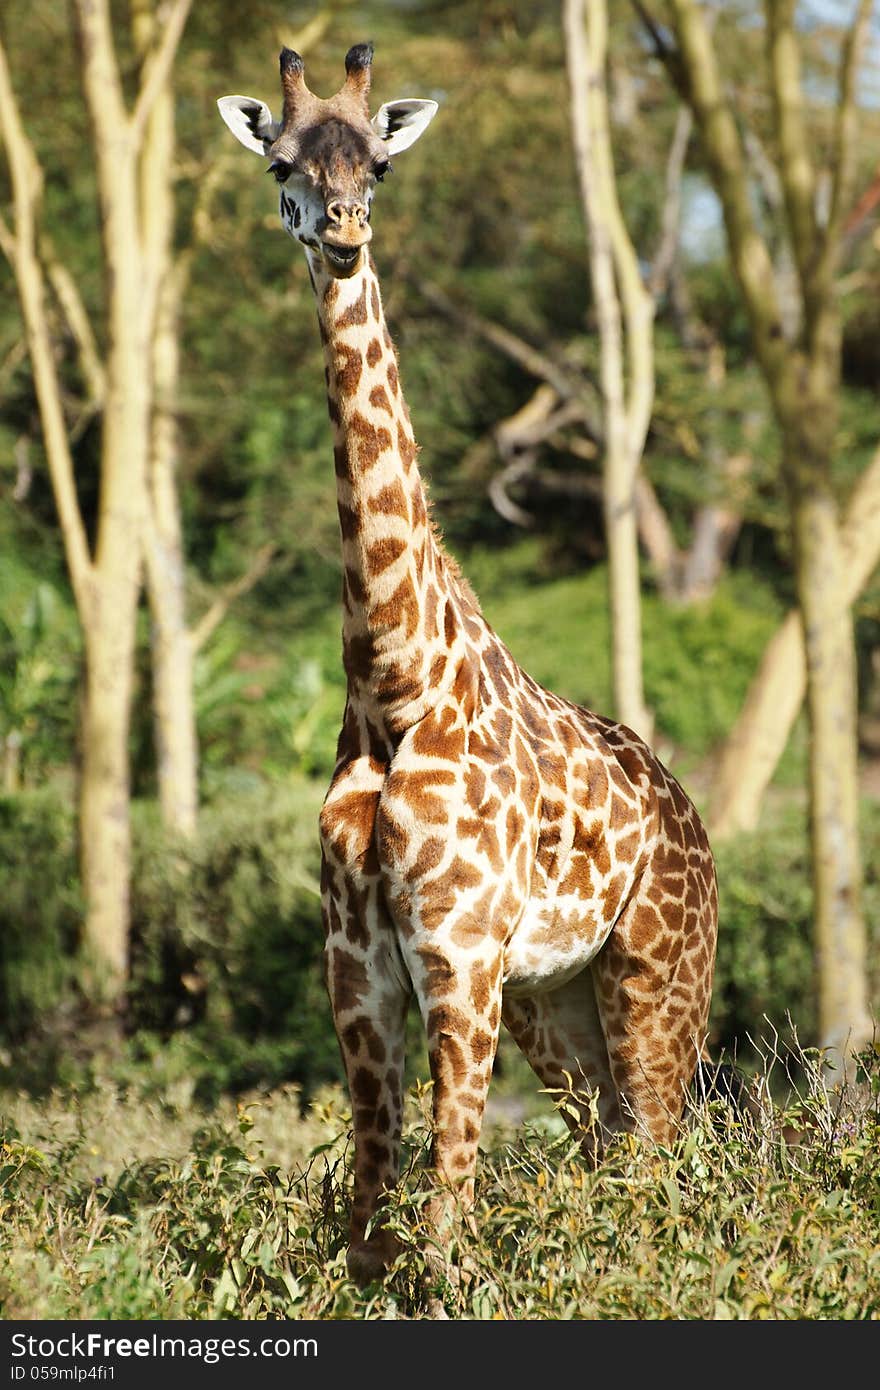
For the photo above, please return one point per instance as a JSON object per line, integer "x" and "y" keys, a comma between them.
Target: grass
{"x": 121, "y": 1203}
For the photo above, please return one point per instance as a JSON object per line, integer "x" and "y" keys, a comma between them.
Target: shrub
{"x": 40, "y": 907}
{"x": 765, "y": 971}
{"x": 211, "y": 1220}
{"x": 227, "y": 941}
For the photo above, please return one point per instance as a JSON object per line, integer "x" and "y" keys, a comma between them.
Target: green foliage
{"x": 765, "y": 970}
{"x": 226, "y": 949}
{"x": 39, "y": 669}
{"x": 213, "y": 1217}
{"x": 40, "y": 908}
{"x": 227, "y": 941}
{"x": 272, "y": 707}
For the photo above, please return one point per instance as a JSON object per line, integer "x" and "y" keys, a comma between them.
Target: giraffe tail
{"x": 748, "y": 1101}
{"x": 719, "y": 1081}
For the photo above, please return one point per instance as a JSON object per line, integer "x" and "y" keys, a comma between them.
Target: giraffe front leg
{"x": 369, "y": 995}
{"x": 459, "y": 993}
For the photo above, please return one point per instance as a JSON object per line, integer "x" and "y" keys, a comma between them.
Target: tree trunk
{"x": 757, "y": 741}
{"x": 171, "y": 650}
{"x": 104, "y": 824}
{"x": 106, "y": 584}
{"x": 626, "y": 405}
{"x": 803, "y": 381}
{"x": 833, "y": 768}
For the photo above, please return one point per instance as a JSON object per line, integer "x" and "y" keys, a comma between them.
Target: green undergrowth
{"x": 117, "y": 1205}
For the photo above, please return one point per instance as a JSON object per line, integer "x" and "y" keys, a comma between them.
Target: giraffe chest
{"x": 492, "y": 837}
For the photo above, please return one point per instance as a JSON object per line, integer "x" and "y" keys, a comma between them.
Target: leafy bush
{"x": 729, "y": 1222}
{"x": 40, "y": 908}
{"x": 227, "y": 940}
{"x": 765, "y": 974}
{"x": 39, "y": 669}
{"x": 226, "y": 945}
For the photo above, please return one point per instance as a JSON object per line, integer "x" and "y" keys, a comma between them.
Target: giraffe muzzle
{"x": 345, "y": 232}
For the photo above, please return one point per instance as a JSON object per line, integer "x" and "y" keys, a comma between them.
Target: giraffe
{"x": 491, "y": 848}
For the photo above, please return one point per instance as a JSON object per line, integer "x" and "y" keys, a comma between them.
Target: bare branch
{"x": 158, "y": 68}
{"x": 23, "y": 469}
{"x": 103, "y": 85}
{"x": 567, "y": 385}
{"x": 636, "y": 303}
{"x": 664, "y": 51}
{"x": 788, "y": 284}
{"x": 655, "y": 536}
{"x": 797, "y": 174}
{"x": 70, "y": 300}
{"x": 518, "y": 468}
{"x": 668, "y": 248}
{"x": 7, "y": 243}
{"x": 857, "y": 218}
{"x": 846, "y": 128}
{"x": 213, "y": 617}
{"x": 12, "y": 361}
{"x": 26, "y": 187}
{"x": 537, "y": 420}
{"x": 721, "y": 142}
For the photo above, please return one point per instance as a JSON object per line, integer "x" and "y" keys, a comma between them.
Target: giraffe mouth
{"x": 341, "y": 261}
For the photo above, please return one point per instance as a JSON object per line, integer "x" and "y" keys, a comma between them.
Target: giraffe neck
{"x": 404, "y": 605}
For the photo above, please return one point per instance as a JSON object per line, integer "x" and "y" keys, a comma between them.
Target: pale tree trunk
{"x": 173, "y": 645}
{"x": 171, "y": 651}
{"x": 170, "y": 644}
{"x": 758, "y": 739}
{"x": 110, "y": 633}
{"x": 803, "y": 381}
{"x": 106, "y": 584}
{"x": 624, "y": 312}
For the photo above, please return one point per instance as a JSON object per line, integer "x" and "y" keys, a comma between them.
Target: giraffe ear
{"x": 250, "y": 121}
{"x": 400, "y": 123}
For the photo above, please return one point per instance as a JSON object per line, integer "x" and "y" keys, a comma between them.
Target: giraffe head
{"x": 328, "y": 155}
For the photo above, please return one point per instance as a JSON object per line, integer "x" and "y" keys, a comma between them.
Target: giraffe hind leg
{"x": 653, "y": 984}
{"x": 560, "y": 1034}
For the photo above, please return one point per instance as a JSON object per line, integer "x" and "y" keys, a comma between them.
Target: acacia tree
{"x": 106, "y": 573}
{"x": 801, "y": 366}
{"x": 128, "y": 379}
{"x": 174, "y": 642}
{"x": 625, "y": 312}
{"x": 757, "y": 741}
{"x": 165, "y": 579}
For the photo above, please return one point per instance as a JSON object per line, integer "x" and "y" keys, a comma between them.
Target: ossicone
{"x": 293, "y": 85}
{"x": 358, "y": 62}
{"x": 290, "y": 63}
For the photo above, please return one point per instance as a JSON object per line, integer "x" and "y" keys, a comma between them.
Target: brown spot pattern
{"x": 485, "y": 831}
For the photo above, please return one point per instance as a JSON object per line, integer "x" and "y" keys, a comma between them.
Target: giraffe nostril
{"x": 340, "y": 211}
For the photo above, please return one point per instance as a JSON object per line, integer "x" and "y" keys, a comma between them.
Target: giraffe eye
{"x": 281, "y": 169}
{"x": 380, "y": 170}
